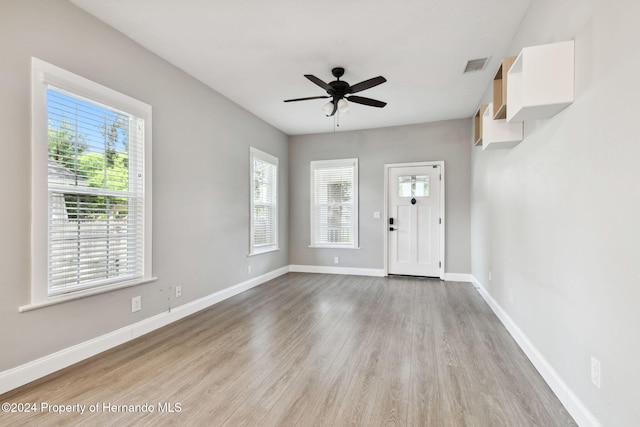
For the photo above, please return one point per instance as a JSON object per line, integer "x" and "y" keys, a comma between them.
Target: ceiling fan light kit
{"x": 328, "y": 108}
{"x": 340, "y": 92}
{"x": 343, "y": 106}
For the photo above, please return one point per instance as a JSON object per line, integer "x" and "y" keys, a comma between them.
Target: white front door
{"x": 414, "y": 224}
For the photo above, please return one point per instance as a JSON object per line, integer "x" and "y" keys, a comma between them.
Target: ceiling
{"x": 256, "y": 52}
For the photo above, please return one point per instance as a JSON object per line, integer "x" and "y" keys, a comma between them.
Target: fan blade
{"x": 366, "y": 101}
{"x": 319, "y": 82}
{"x": 304, "y": 99}
{"x": 358, "y": 87}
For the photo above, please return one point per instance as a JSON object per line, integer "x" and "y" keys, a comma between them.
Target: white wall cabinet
{"x": 499, "y": 133}
{"x": 540, "y": 83}
{"x": 500, "y": 89}
{"x": 477, "y": 125}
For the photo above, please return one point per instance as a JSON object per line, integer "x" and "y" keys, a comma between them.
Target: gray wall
{"x": 200, "y": 178}
{"x": 448, "y": 141}
{"x": 556, "y": 218}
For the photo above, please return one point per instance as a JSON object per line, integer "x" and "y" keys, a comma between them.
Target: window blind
{"x": 334, "y": 203}
{"x": 264, "y": 202}
{"x": 96, "y": 193}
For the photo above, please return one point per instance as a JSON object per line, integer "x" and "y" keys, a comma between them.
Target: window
{"x": 264, "y": 202}
{"x": 413, "y": 186}
{"x": 91, "y": 196}
{"x": 334, "y": 203}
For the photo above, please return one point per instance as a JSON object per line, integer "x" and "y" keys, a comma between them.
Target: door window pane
{"x": 413, "y": 186}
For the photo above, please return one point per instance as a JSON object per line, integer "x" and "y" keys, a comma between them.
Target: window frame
{"x": 44, "y": 75}
{"x": 254, "y": 249}
{"x": 331, "y": 164}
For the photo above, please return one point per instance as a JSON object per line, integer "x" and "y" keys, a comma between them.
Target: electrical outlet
{"x": 336, "y": 260}
{"x": 178, "y": 291}
{"x": 595, "y": 371}
{"x": 376, "y": 215}
{"x": 136, "y": 304}
{"x": 249, "y": 270}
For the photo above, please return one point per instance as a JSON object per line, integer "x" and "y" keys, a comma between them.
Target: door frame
{"x": 386, "y": 210}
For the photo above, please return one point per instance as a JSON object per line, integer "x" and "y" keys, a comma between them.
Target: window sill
{"x": 266, "y": 251}
{"x": 335, "y": 247}
{"x": 83, "y": 294}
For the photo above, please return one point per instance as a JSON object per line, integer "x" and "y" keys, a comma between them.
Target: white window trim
{"x": 319, "y": 164}
{"x": 253, "y": 249}
{"x": 44, "y": 74}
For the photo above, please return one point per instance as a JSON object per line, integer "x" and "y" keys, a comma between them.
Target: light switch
{"x": 376, "y": 215}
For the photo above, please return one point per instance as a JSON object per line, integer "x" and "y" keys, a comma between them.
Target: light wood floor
{"x": 312, "y": 349}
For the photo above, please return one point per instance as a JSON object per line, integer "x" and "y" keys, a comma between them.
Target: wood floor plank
{"x": 472, "y": 371}
{"x": 308, "y": 382}
{"x": 305, "y": 353}
{"x": 322, "y": 406}
{"x": 357, "y": 406}
{"x": 313, "y": 350}
{"x": 424, "y": 398}
{"x": 282, "y": 334}
{"x": 391, "y": 403}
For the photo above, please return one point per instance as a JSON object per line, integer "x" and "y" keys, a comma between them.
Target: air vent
{"x": 476, "y": 65}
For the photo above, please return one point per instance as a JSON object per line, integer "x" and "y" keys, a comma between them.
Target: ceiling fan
{"x": 340, "y": 91}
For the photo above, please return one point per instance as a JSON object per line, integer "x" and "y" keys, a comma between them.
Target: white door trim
{"x": 386, "y": 211}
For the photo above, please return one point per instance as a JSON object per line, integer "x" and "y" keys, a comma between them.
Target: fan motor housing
{"x": 339, "y": 87}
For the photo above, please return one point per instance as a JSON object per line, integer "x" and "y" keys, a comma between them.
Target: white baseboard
{"x": 23, "y": 374}
{"x": 457, "y": 277}
{"x": 348, "y": 271}
{"x": 571, "y": 402}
